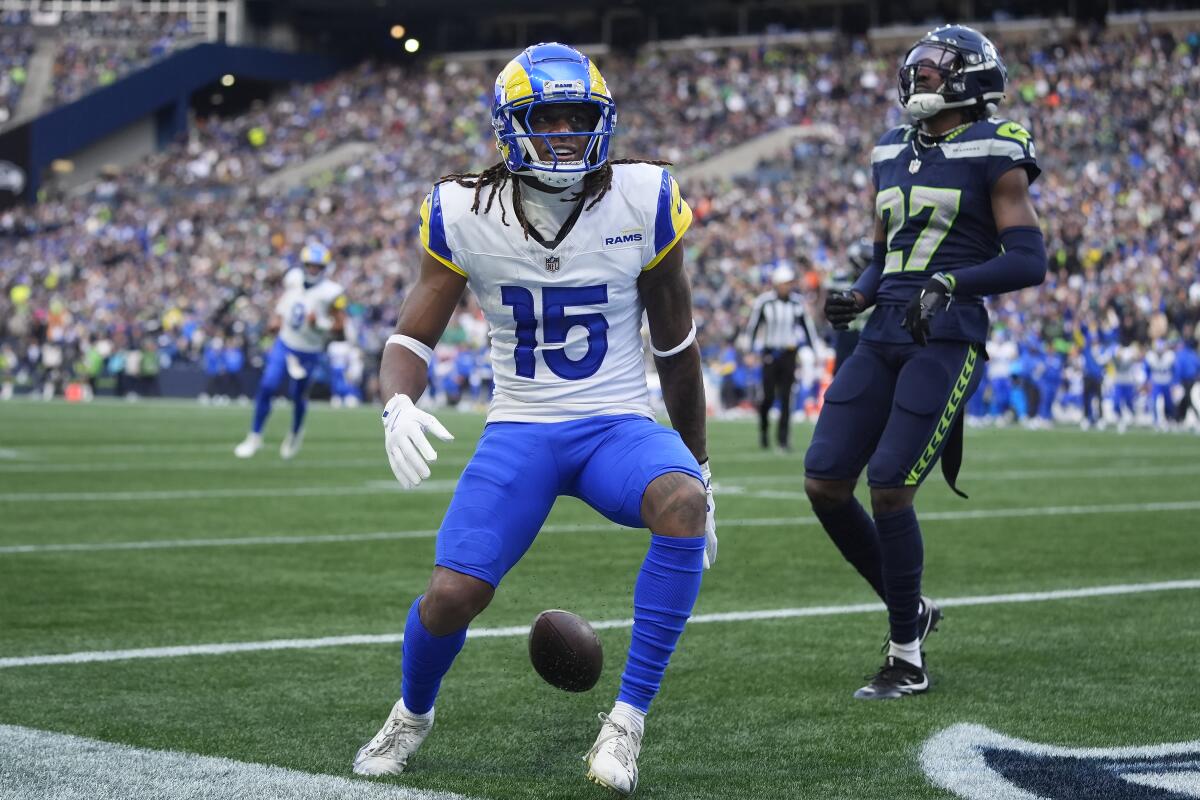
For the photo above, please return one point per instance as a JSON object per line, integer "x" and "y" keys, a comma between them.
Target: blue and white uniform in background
{"x": 1127, "y": 377}
{"x": 306, "y": 309}
{"x": 1160, "y": 363}
{"x": 1002, "y": 354}
{"x": 1049, "y": 382}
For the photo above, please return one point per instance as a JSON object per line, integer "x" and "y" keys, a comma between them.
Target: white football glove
{"x": 710, "y": 522}
{"x": 408, "y": 451}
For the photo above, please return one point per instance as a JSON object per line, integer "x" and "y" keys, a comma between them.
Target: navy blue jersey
{"x": 936, "y": 207}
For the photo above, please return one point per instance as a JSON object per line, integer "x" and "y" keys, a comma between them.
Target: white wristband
{"x": 679, "y": 348}
{"x": 423, "y": 351}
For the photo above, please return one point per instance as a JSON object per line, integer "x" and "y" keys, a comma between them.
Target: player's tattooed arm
{"x": 424, "y": 316}
{"x": 667, "y": 297}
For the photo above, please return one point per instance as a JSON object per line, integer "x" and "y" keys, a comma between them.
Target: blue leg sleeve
{"x": 272, "y": 377}
{"x": 426, "y": 660}
{"x": 663, "y": 597}
{"x": 299, "y": 403}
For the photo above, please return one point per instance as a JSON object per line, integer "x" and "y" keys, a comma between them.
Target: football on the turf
{"x": 565, "y": 650}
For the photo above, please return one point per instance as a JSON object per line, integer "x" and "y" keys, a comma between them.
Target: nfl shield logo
{"x": 551, "y": 263}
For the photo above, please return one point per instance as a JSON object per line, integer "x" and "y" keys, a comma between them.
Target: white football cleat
{"x": 389, "y": 751}
{"x": 612, "y": 761}
{"x": 291, "y": 444}
{"x": 249, "y": 446}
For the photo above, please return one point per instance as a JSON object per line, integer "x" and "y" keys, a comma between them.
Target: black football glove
{"x": 841, "y": 308}
{"x": 935, "y": 295}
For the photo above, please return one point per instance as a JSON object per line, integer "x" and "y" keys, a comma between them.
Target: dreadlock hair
{"x": 595, "y": 183}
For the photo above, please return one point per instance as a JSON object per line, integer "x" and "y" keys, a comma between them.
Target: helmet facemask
{"x": 923, "y": 100}
{"x": 557, "y": 158}
{"x": 973, "y": 76}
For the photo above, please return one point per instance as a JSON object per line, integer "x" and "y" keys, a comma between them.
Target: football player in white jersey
{"x": 310, "y": 311}
{"x": 564, "y": 250}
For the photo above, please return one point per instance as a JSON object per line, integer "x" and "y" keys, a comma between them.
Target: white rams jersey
{"x": 297, "y": 302}
{"x": 564, "y": 317}
{"x": 1161, "y": 365}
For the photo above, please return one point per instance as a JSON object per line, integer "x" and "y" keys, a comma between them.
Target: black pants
{"x": 1093, "y": 406}
{"x": 778, "y": 375}
{"x": 1185, "y": 405}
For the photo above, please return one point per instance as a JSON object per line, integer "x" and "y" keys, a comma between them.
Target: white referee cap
{"x": 783, "y": 274}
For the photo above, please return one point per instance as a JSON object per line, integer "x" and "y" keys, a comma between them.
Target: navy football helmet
{"x": 859, "y": 254}
{"x": 973, "y": 74}
{"x": 540, "y": 75}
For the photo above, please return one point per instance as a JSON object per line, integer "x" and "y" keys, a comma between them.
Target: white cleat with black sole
{"x": 397, "y": 740}
{"x": 612, "y": 761}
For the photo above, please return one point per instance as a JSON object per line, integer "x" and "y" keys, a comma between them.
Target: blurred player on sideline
{"x": 310, "y": 312}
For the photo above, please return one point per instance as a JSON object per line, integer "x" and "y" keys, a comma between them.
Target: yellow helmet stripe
{"x": 514, "y": 80}
{"x": 599, "y": 85}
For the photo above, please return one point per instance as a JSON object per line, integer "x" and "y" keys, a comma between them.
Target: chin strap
{"x": 925, "y": 105}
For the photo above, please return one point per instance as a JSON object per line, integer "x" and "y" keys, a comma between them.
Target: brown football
{"x": 565, "y": 650}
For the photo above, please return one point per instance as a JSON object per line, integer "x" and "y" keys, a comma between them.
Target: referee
{"x": 779, "y": 326}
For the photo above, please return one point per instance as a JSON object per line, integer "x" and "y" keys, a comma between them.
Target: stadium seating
{"x": 183, "y": 248}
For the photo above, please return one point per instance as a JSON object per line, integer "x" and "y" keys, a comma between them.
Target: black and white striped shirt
{"x": 780, "y": 323}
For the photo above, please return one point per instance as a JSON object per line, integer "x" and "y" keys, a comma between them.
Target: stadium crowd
{"x": 91, "y": 50}
{"x": 180, "y": 251}
{"x": 16, "y": 48}
{"x": 97, "y": 48}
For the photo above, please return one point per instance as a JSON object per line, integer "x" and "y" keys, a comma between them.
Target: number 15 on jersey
{"x": 556, "y": 324}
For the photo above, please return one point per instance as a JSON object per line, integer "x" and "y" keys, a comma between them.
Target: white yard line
{"x": 371, "y": 487}
{"x": 214, "y": 465}
{"x": 743, "y": 487}
{"x": 37, "y": 765}
{"x": 224, "y": 648}
{"x": 981, "y": 478}
{"x": 724, "y": 523}
{"x": 795, "y": 478}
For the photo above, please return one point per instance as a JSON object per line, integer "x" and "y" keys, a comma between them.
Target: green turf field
{"x": 119, "y": 529}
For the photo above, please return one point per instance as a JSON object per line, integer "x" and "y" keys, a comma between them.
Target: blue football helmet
{"x": 973, "y": 74}
{"x": 550, "y": 73}
{"x": 315, "y": 259}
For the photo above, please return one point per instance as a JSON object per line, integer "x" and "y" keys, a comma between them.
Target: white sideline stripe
{"x": 270, "y": 465}
{"x": 223, "y": 465}
{"x": 1107, "y": 445}
{"x": 372, "y": 487}
{"x": 39, "y": 765}
{"x": 169, "y": 544}
{"x": 741, "y": 488}
{"x": 523, "y": 630}
{"x": 1021, "y": 474}
{"x": 753, "y": 522}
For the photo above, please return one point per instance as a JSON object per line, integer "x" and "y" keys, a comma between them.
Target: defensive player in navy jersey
{"x": 953, "y": 222}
